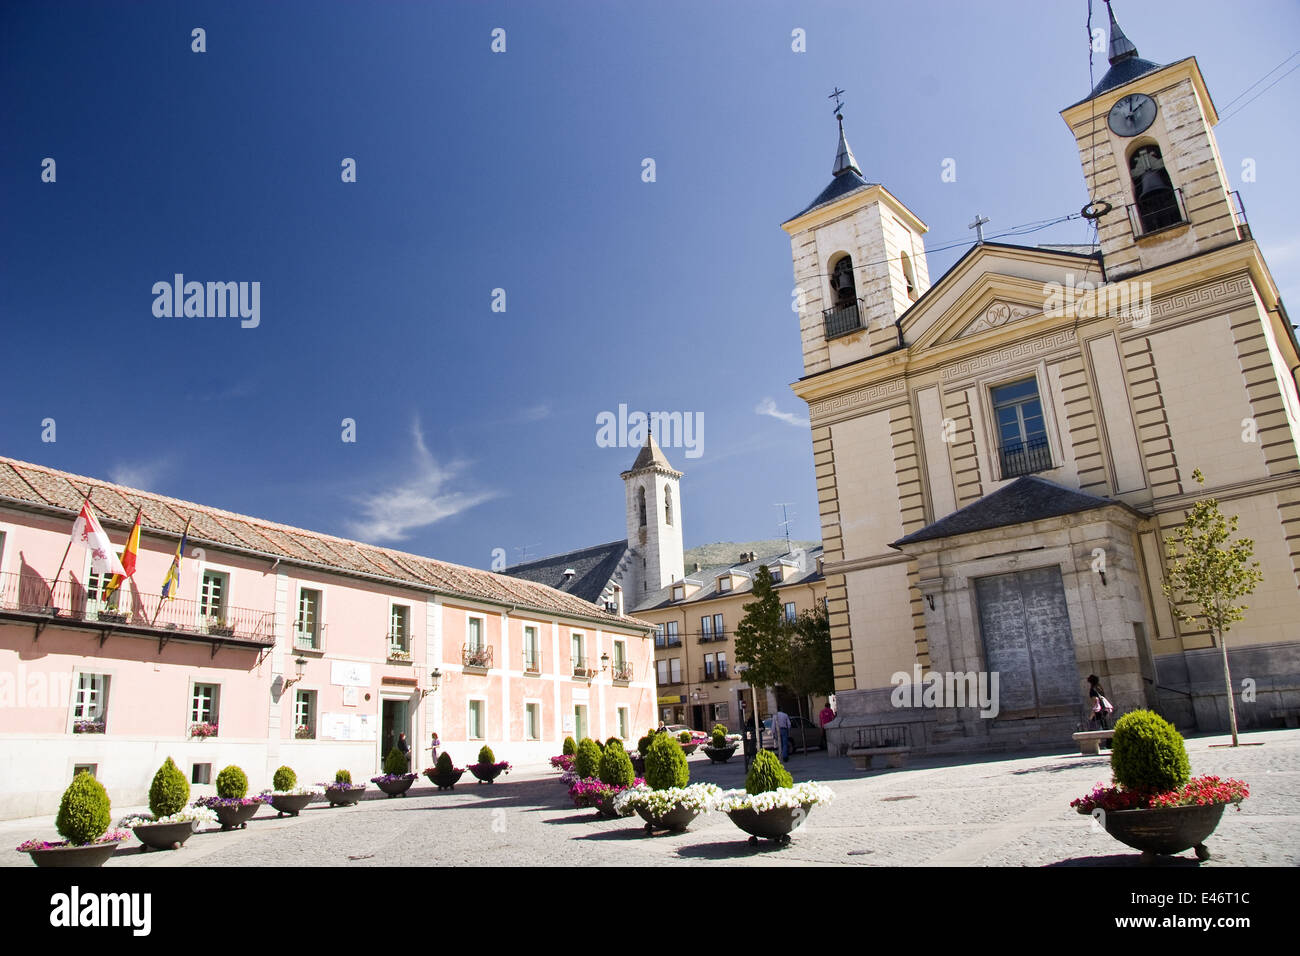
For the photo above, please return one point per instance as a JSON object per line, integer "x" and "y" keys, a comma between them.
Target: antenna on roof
{"x": 785, "y": 522}
{"x": 523, "y": 551}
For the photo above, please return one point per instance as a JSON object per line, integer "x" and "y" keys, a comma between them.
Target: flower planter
{"x": 1165, "y": 830}
{"x": 345, "y": 796}
{"x": 720, "y": 754}
{"x": 236, "y": 817}
{"x": 485, "y": 773}
{"x": 396, "y": 788}
{"x": 291, "y": 803}
{"x": 445, "y": 781}
{"x": 774, "y": 824}
{"x": 677, "y": 819}
{"x": 165, "y": 836}
{"x": 690, "y": 748}
{"x": 95, "y": 854}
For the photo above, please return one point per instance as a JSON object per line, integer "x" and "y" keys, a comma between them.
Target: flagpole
{"x": 179, "y": 557}
{"x": 50, "y": 600}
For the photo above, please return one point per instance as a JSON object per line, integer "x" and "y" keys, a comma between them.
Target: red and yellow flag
{"x": 128, "y": 558}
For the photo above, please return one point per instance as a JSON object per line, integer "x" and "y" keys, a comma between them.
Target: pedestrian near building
{"x": 405, "y": 749}
{"x": 781, "y": 724}
{"x": 826, "y": 716}
{"x": 1101, "y": 707}
{"x": 434, "y": 746}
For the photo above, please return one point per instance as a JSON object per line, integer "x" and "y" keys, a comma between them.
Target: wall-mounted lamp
{"x": 435, "y": 681}
{"x": 604, "y": 663}
{"x": 299, "y": 663}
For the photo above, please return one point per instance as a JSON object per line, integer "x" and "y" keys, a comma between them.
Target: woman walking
{"x": 1101, "y": 707}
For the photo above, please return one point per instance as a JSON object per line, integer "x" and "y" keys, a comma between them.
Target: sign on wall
{"x": 350, "y": 696}
{"x": 568, "y": 723}
{"x": 349, "y": 726}
{"x": 349, "y": 674}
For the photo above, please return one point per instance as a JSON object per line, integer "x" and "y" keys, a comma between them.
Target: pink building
{"x": 296, "y": 647}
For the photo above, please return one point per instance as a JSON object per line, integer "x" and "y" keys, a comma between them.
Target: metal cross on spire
{"x": 839, "y": 105}
{"x": 978, "y": 226}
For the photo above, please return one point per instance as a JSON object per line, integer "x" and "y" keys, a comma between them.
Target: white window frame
{"x": 97, "y": 604}
{"x": 586, "y": 720}
{"x": 724, "y": 582}
{"x": 661, "y": 670}
{"x": 106, "y": 692}
{"x": 320, "y": 616}
{"x": 410, "y": 626}
{"x": 623, "y": 717}
{"x": 314, "y": 713}
{"x": 528, "y": 703}
{"x": 227, "y": 600}
{"x": 674, "y": 670}
{"x": 679, "y": 592}
{"x": 618, "y": 650}
{"x": 582, "y": 650}
{"x": 790, "y": 611}
{"x": 523, "y": 646}
{"x": 721, "y": 666}
{"x": 190, "y": 719}
{"x": 991, "y": 438}
{"x": 482, "y": 629}
{"x": 483, "y": 717}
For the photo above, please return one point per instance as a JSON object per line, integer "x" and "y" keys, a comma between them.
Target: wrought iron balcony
{"x": 1239, "y": 215}
{"x": 842, "y": 320}
{"x": 582, "y": 667}
{"x": 1165, "y": 212}
{"x": 1025, "y": 457}
{"x": 532, "y": 662}
{"x": 710, "y": 637}
{"x": 29, "y": 597}
{"x": 309, "y": 638}
{"x": 622, "y": 673}
{"x": 476, "y": 657}
{"x": 714, "y": 674}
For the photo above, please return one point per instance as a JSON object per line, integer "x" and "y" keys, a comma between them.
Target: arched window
{"x": 668, "y": 504}
{"x": 640, "y": 504}
{"x": 1157, "y": 203}
{"x": 909, "y": 274}
{"x": 844, "y": 289}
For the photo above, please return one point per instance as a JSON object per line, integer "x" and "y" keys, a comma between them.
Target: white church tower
{"x": 654, "y": 521}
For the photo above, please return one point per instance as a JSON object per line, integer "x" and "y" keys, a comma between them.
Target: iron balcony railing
{"x": 709, "y": 637}
{"x": 67, "y": 602}
{"x": 309, "y": 638}
{"x": 1239, "y": 215}
{"x": 622, "y": 673}
{"x": 842, "y": 320}
{"x": 1146, "y": 218}
{"x": 1025, "y": 457}
{"x": 582, "y": 668}
{"x": 477, "y": 656}
{"x": 532, "y": 662}
{"x": 717, "y": 673}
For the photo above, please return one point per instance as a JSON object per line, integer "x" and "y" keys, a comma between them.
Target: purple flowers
{"x": 88, "y": 727}
{"x": 563, "y": 762}
{"x": 501, "y": 767}
{"x": 338, "y": 785}
{"x": 592, "y": 792}
{"x": 213, "y": 803}
{"x": 383, "y": 778}
{"x": 112, "y": 836}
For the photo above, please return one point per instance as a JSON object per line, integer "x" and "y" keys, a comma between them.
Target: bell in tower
{"x": 1157, "y": 201}
{"x": 846, "y": 292}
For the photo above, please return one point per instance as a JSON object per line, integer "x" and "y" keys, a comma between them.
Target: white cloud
{"x": 421, "y": 498}
{"x": 535, "y": 413}
{"x": 768, "y": 407}
{"x": 143, "y": 475}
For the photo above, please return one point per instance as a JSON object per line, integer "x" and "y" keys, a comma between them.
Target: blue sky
{"x": 520, "y": 171}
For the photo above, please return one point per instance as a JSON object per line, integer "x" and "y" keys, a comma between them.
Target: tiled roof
{"x": 707, "y": 578}
{"x": 40, "y": 487}
{"x": 650, "y": 456}
{"x": 841, "y": 185}
{"x": 1028, "y": 498}
{"x": 592, "y": 569}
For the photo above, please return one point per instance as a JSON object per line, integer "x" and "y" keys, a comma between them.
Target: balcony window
{"x": 675, "y": 671}
{"x": 659, "y": 635}
{"x": 214, "y": 589}
{"x": 90, "y": 709}
{"x": 708, "y": 667}
{"x": 790, "y": 612}
{"x": 1022, "y": 434}
{"x": 399, "y": 631}
{"x": 671, "y": 637}
{"x": 474, "y": 631}
{"x": 722, "y": 665}
{"x": 532, "y": 651}
{"x": 306, "y": 630}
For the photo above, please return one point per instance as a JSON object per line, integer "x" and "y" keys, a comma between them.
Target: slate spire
{"x": 1121, "y": 47}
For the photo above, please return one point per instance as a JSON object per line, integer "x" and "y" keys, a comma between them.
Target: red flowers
{"x": 1199, "y": 791}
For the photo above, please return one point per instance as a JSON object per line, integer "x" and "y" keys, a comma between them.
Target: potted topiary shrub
{"x": 688, "y": 742}
{"x": 1154, "y": 804}
{"x": 343, "y": 792}
{"x": 772, "y": 804}
{"x": 169, "y": 823}
{"x": 718, "y": 750}
{"x": 586, "y": 762}
{"x": 83, "y": 823}
{"x": 444, "y": 773}
{"x": 233, "y": 806}
{"x": 287, "y": 796}
{"x": 570, "y": 747}
{"x": 395, "y": 780}
{"x": 488, "y": 769}
{"x": 613, "y": 777}
{"x": 667, "y": 800}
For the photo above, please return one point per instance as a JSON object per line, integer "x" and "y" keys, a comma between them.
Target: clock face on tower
{"x": 1132, "y": 115}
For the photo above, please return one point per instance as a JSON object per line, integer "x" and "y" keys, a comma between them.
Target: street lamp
{"x": 435, "y": 681}
{"x": 604, "y": 662}
{"x": 299, "y": 663}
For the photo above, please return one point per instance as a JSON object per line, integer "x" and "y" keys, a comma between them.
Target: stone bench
{"x": 1089, "y": 741}
{"x": 862, "y": 757}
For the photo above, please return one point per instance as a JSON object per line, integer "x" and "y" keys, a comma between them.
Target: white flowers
{"x": 295, "y": 792}
{"x": 801, "y": 794}
{"x": 700, "y": 797}
{"x": 188, "y": 815}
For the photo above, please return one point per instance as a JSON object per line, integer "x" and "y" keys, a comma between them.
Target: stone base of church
{"x": 1191, "y": 693}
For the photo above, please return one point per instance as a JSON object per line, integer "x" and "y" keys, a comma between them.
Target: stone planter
{"x": 165, "y": 836}
{"x": 395, "y": 788}
{"x": 775, "y": 824}
{"x": 1165, "y": 830}
{"x": 485, "y": 772}
{"x": 676, "y": 820}
{"x": 291, "y": 803}
{"x": 690, "y": 748}
{"x": 445, "y": 781}
{"x": 236, "y": 817}
{"x": 96, "y": 854}
{"x": 345, "y": 796}
{"x": 720, "y": 754}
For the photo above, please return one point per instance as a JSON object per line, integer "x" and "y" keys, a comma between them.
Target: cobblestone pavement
{"x": 1003, "y": 810}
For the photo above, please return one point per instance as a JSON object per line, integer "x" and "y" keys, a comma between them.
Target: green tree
{"x": 811, "y": 670}
{"x": 1211, "y": 573}
{"x": 762, "y": 636}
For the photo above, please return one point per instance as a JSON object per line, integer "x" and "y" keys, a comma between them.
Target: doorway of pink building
{"x": 395, "y": 720}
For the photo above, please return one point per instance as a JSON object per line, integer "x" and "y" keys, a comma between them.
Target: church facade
{"x": 1001, "y": 454}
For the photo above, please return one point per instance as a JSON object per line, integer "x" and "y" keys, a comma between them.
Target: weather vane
{"x": 835, "y": 95}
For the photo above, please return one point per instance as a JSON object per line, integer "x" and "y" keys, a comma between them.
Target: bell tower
{"x": 654, "y": 521}
{"x": 859, "y": 263}
{"x": 1151, "y": 163}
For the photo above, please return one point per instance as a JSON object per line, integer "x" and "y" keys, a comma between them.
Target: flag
{"x": 173, "y": 580}
{"x": 88, "y": 531}
{"x": 128, "y": 558}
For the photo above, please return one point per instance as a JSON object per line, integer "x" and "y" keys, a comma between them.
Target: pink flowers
{"x": 1199, "y": 791}
{"x": 563, "y": 762}
{"x": 112, "y": 836}
{"x": 591, "y": 792}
